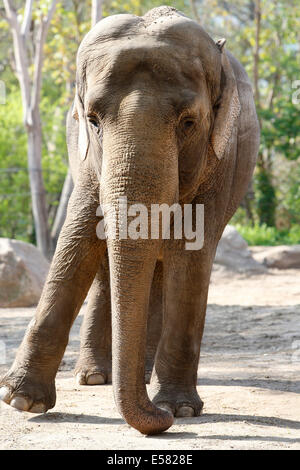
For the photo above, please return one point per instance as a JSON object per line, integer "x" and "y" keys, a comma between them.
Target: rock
{"x": 23, "y": 271}
{"x": 281, "y": 257}
{"x": 233, "y": 254}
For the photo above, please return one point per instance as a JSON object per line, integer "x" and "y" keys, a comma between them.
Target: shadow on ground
{"x": 203, "y": 419}
{"x": 74, "y": 418}
{"x": 280, "y": 385}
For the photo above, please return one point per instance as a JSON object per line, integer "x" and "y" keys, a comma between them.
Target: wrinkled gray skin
{"x": 179, "y": 124}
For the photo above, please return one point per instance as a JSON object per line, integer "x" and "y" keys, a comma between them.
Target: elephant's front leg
{"x": 29, "y": 384}
{"x": 94, "y": 364}
{"x": 186, "y": 281}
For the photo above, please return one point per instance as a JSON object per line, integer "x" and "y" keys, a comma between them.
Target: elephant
{"x": 162, "y": 114}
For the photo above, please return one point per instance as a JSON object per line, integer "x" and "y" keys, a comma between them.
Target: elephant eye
{"x": 94, "y": 123}
{"x": 188, "y": 124}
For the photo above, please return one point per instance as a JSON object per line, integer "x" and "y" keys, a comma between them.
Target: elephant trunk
{"x": 132, "y": 270}
{"x": 132, "y": 263}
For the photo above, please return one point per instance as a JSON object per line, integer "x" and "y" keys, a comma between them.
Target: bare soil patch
{"x": 248, "y": 379}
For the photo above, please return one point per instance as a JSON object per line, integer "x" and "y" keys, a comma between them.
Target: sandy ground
{"x": 248, "y": 379}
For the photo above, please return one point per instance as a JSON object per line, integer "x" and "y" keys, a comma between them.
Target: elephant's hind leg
{"x": 94, "y": 364}
{"x": 29, "y": 384}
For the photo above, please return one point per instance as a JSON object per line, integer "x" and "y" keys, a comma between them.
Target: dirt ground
{"x": 248, "y": 379}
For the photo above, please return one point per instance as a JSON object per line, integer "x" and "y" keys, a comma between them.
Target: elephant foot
{"x": 92, "y": 371}
{"x": 25, "y": 391}
{"x": 181, "y": 403}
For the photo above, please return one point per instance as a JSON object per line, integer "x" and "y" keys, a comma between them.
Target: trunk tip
{"x": 155, "y": 424}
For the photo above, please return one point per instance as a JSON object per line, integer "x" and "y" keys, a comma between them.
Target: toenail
{"x": 5, "y": 394}
{"x": 38, "y": 408}
{"x": 20, "y": 403}
{"x": 95, "y": 379}
{"x": 165, "y": 407}
{"x": 185, "y": 412}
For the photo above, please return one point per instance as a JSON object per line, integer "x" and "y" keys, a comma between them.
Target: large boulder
{"x": 280, "y": 257}
{"x": 23, "y": 271}
{"x": 233, "y": 254}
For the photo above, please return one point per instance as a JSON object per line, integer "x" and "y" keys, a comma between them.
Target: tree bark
{"x": 30, "y": 92}
{"x": 96, "y": 11}
{"x": 37, "y": 188}
{"x": 256, "y": 50}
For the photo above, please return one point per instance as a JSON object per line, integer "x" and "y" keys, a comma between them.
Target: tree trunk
{"x": 256, "y": 50}
{"x": 37, "y": 188}
{"x": 96, "y": 11}
{"x": 30, "y": 92}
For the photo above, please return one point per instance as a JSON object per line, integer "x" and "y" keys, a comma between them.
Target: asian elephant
{"x": 162, "y": 114}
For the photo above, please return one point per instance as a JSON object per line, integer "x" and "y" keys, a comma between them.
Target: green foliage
{"x": 54, "y": 152}
{"x": 291, "y": 201}
{"x": 140, "y": 7}
{"x": 276, "y": 200}
{"x": 278, "y": 68}
{"x": 15, "y": 200}
{"x": 264, "y": 235}
{"x": 15, "y": 205}
{"x": 265, "y": 198}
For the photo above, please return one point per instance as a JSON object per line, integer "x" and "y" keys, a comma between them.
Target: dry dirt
{"x": 248, "y": 379}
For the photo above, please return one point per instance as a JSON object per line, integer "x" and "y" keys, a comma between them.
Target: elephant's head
{"x": 159, "y": 97}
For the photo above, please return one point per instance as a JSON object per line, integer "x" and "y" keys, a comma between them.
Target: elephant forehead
{"x": 161, "y": 22}
{"x": 163, "y": 45}
{"x": 156, "y": 59}
{"x": 121, "y": 38}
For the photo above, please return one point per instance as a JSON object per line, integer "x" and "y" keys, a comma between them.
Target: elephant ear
{"x": 83, "y": 134}
{"x": 229, "y": 107}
